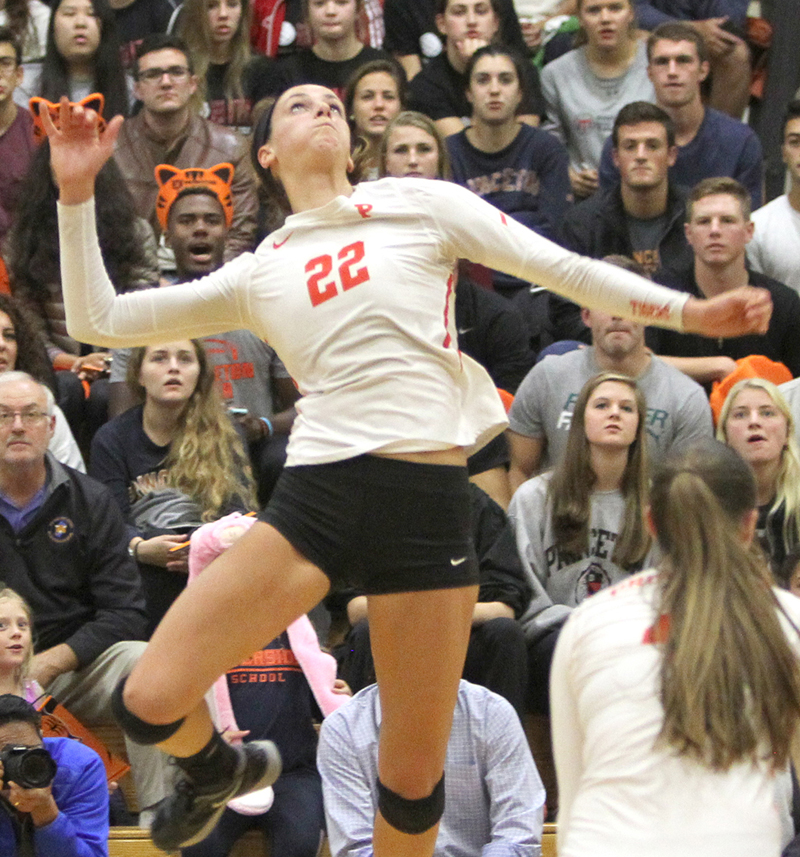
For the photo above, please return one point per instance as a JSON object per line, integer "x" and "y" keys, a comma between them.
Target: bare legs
{"x": 419, "y": 641}
{"x": 255, "y": 590}
{"x": 244, "y": 599}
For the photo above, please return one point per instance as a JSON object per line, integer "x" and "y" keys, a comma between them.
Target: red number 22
{"x": 320, "y": 267}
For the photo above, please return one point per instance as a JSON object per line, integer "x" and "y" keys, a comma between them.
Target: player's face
{"x": 170, "y": 90}
{"x": 412, "y": 152}
{"x": 607, "y": 23}
{"x": 494, "y": 90}
{"x": 611, "y": 417}
{"x": 76, "y": 30}
{"x": 718, "y": 231}
{"x": 224, "y": 17}
{"x": 169, "y": 373}
{"x": 375, "y": 103}
{"x": 309, "y": 128}
{"x": 676, "y": 72}
{"x": 332, "y": 20}
{"x": 643, "y": 155}
{"x": 15, "y": 634}
{"x": 8, "y": 343}
{"x": 755, "y": 427}
{"x": 197, "y": 234}
{"x": 468, "y": 19}
{"x": 791, "y": 148}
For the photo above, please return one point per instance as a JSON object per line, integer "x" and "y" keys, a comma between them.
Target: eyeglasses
{"x": 27, "y": 418}
{"x": 174, "y": 72}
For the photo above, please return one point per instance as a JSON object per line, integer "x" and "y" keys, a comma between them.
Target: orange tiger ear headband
{"x": 95, "y": 102}
{"x": 172, "y": 182}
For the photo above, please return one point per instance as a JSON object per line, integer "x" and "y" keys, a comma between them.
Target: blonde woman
{"x": 217, "y": 32}
{"x": 172, "y": 463}
{"x": 757, "y": 422}
{"x": 675, "y": 694}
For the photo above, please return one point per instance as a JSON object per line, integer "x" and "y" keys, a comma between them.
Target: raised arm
{"x": 480, "y": 232}
{"x": 79, "y": 149}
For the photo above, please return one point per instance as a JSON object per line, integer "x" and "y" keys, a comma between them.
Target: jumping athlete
{"x": 355, "y": 294}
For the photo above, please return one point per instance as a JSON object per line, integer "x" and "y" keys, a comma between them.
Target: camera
{"x": 28, "y": 767}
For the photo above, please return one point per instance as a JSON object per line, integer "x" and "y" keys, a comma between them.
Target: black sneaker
{"x": 191, "y": 812}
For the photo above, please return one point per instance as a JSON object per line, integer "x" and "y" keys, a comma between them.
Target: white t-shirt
{"x": 357, "y": 299}
{"x": 775, "y": 248}
{"x": 619, "y": 796}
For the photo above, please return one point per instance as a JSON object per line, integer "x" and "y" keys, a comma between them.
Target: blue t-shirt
{"x": 723, "y": 146}
{"x": 651, "y": 13}
{"x": 528, "y": 180}
{"x": 271, "y": 697}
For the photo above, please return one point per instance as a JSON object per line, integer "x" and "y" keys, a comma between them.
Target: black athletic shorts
{"x": 379, "y": 524}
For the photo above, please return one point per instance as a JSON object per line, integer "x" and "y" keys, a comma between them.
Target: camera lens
{"x": 36, "y": 768}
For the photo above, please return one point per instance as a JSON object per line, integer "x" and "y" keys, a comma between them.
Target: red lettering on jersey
{"x": 648, "y": 311}
{"x": 363, "y": 209}
{"x": 277, "y": 244}
{"x": 321, "y": 266}
{"x": 349, "y": 256}
{"x": 503, "y": 219}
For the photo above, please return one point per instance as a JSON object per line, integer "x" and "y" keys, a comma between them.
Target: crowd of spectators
{"x": 616, "y": 128}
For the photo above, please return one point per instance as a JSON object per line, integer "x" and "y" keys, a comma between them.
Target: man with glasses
{"x": 16, "y": 130}
{"x": 167, "y": 130}
{"x": 64, "y": 548}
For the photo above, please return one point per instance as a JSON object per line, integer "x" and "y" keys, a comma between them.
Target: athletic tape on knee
{"x": 411, "y": 816}
{"x": 134, "y": 727}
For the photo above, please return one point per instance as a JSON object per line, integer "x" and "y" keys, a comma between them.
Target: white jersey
{"x": 357, "y": 299}
{"x": 619, "y": 796}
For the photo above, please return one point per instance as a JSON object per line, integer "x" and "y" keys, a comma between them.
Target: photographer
{"x": 54, "y": 802}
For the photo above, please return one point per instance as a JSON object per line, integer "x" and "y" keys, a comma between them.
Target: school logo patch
{"x": 60, "y": 530}
{"x": 592, "y": 580}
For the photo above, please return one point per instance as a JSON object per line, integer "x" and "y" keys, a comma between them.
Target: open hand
{"x": 78, "y": 150}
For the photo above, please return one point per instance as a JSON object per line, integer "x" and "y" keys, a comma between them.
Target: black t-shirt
{"x": 781, "y": 342}
{"x": 307, "y": 67}
{"x": 258, "y": 81}
{"x": 646, "y": 236}
{"x": 439, "y": 91}
{"x": 411, "y": 28}
{"x": 140, "y": 19}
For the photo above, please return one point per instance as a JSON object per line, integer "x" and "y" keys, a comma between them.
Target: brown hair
{"x": 677, "y": 31}
{"x": 412, "y": 119}
{"x": 730, "y": 685}
{"x": 719, "y": 185}
{"x": 573, "y": 479}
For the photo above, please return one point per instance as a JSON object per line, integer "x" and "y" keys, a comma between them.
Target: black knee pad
{"x": 411, "y": 816}
{"x": 134, "y": 727}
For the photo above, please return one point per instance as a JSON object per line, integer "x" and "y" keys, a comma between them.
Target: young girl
{"x": 757, "y": 422}
{"x": 172, "y": 463}
{"x": 354, "y": 293}
{"x": 581, "y": 527}
{"x": 676, "y": 693}
{"x": 413, "y": 147}
{"x": 217, "y": 34}
{"x": 16, "y": 646}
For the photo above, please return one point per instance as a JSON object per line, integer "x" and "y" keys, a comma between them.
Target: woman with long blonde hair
{"x": 675, "y": 694}
{"x": 217, "y": 32}
{"x": 757, "y": 422}
{"x": 172, "y": 463}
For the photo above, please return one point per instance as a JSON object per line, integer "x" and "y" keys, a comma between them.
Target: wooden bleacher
{"x": 134, "y": 842}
